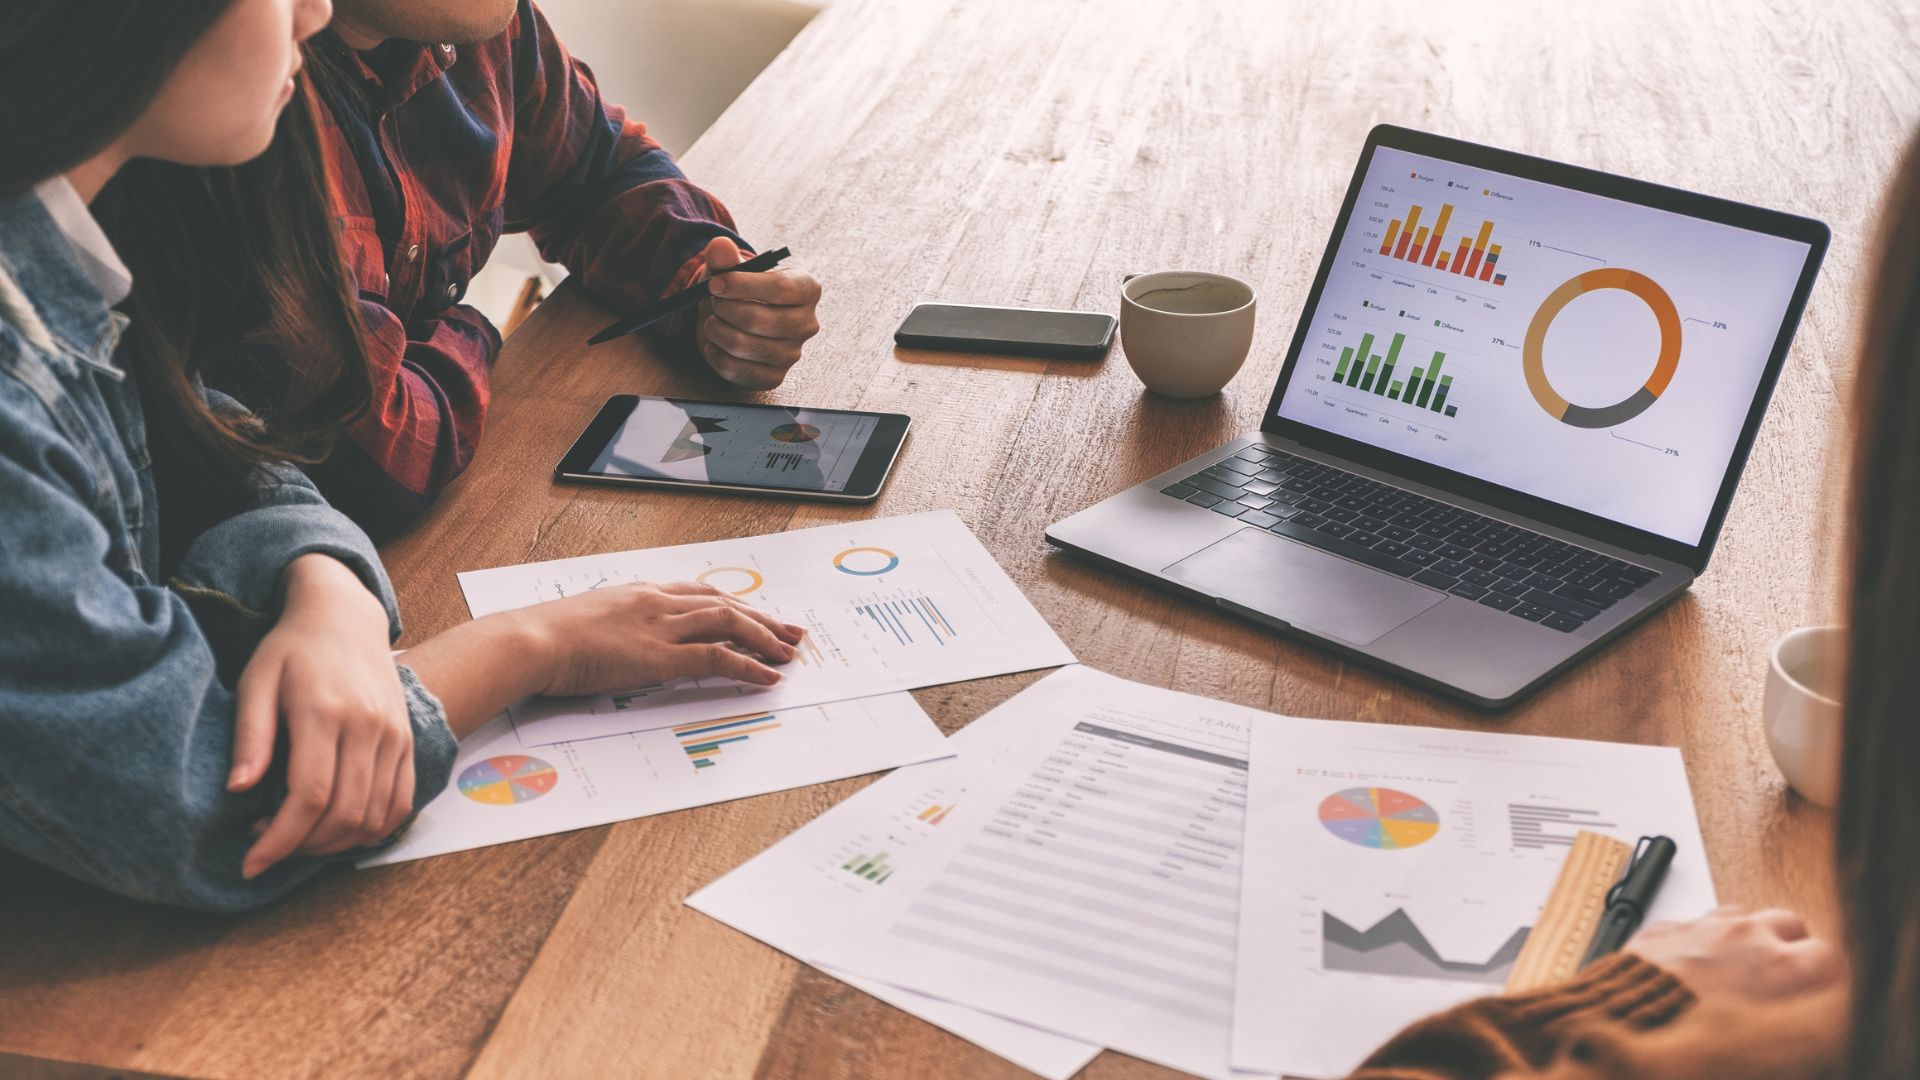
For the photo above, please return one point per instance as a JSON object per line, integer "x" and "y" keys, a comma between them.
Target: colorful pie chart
{"x": 796, "y": 433}
{"x": 1378, "y": 817}
{"x": 507, "y": 780}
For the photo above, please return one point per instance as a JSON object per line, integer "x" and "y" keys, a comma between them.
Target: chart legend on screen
{"x": 704, "y": 742}
{"x": 1378, "y": 817}
{"x": 507, "y": 780}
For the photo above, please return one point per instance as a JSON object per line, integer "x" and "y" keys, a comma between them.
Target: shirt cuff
{"x": 239, "y": 564}
{"x": 1622, "y": 988}
{"x": 434, "y": 744}
{"x": 676, "y": 336}
{"x": 434, "y": 748}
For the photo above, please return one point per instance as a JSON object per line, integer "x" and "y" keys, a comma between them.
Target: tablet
{"x": 758, "y": 449}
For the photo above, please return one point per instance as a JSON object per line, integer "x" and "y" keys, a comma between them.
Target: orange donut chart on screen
{"x": 1534, "y": 358}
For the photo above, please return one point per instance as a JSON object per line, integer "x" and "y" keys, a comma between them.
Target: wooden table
{"x": 1024, "y": 152}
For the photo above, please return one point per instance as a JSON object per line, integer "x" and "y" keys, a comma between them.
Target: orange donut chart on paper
{"x": 731, "y": 577}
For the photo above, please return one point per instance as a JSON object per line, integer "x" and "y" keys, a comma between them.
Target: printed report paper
{"x": 798, "y": 894}
{"x": 502, "y": 792}
{"x": 890, "y": 604}
{"x": 1393, "y": 872}
{"x": 1094, "y": 888}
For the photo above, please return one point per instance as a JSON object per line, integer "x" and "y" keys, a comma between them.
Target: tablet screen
{"x": 722, "y": 443}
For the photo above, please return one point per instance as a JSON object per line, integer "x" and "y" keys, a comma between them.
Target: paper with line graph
{"x": 1395, "y": 871}
{"x": 890, "y": 604}
{"x": 502, "y": 792}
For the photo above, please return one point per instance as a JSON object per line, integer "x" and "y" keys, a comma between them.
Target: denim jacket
{"x": 116, "y": 695}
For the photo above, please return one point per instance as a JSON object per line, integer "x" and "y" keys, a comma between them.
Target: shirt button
{"x": 413, "y": 252}
{"x": 453, "y": 292}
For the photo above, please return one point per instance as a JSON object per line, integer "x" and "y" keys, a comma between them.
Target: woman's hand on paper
{"x": 1762, "y": 955}
{"x": 641, "y": 635}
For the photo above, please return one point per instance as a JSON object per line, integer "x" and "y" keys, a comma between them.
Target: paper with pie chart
{"x": 503, "y": 792}
{"x": 1392, "y": 871}
{"x": 890, "y": 604}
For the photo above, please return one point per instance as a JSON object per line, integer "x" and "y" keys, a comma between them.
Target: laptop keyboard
{"x": 1505, "y": 567}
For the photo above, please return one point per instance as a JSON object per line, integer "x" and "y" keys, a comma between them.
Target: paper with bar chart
{"x": 502, "y": 793}
{"x": 890, "y": 604}
{"x": 1090, "y": 882}
{"x": 1591, "y": 351}
{"x": 1398, "y": 870}
{"x": 798, "y": 894}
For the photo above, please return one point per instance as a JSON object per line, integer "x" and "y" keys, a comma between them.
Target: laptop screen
{"x": 1597, "y": 353}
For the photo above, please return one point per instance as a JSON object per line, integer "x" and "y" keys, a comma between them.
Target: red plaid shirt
{"x": 434, "y": 151}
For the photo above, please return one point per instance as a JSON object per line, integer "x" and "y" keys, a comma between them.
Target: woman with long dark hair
{"x": 196, "y": 691}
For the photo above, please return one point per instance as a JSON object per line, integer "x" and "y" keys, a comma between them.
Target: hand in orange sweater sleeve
{"x": 1522, "y": 1035}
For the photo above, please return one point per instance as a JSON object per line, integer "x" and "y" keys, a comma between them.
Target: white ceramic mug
{"x": 1805, "y": 676}
{"x": 1186, "y": 332}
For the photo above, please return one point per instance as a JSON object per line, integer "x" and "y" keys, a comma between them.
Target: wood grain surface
{"x": 1025, "y": 152}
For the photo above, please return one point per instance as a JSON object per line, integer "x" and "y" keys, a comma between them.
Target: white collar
{"x": 97, "y": 257}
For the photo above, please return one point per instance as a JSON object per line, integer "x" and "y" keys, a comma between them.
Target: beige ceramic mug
{"x": 1805, "y": 675}
{"x": 1186, "y": 332}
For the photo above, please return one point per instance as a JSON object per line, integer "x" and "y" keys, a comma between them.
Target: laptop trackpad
{"x": 1302, "y": 586}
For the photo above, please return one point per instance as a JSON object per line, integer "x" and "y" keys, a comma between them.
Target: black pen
{"x": 1628, "y": 901}
{"x": 685, "y": 298}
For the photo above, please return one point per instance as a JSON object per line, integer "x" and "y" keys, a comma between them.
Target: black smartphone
{"x": 1068, "y": 335}
{"x": 730, "y": 446}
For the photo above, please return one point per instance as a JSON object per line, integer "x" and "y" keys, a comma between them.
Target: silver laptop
{"x": 1516, "y": 406}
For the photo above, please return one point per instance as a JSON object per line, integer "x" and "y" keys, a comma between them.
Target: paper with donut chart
{"x": 798, "y": 894}
{"x": 501, "y": 792}
{"x": 1397, "y": 870}
{"x": 890, "y": 604}
{"x": 1093, "y": 890}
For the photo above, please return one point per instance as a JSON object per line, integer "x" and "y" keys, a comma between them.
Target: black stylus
{"x": 1628, "y": 901}
{"x": 685, "y": 298}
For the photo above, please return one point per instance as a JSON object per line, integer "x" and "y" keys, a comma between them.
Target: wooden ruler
{"x": 1564, "y": 931}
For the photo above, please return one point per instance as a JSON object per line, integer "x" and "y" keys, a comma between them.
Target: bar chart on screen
{"x": 1474, "y": 258}
{"x": 1365, "y": 368}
